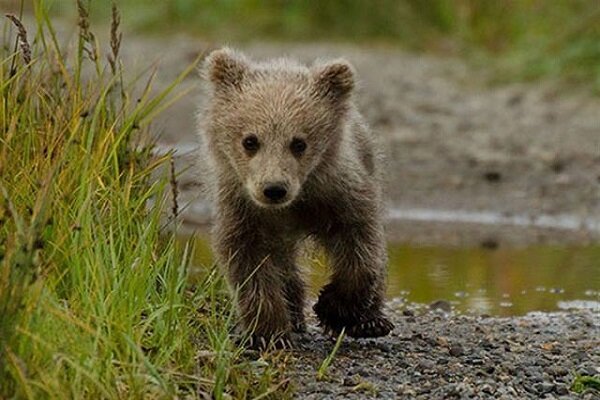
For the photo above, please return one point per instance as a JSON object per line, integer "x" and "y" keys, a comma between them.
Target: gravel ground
{"x": 435, "y": 355}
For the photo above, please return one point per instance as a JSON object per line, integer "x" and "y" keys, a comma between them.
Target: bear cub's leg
{"x": 255, "y": 273}
{"x": 354, "y": 298}
{"x": 295, "y": 295}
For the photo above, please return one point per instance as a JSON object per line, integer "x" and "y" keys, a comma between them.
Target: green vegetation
{"x": 322, "y": 371}
{"x": 525, "y": 39}
{"x": 583, "y": 383}
{"x": 94, "y": 296}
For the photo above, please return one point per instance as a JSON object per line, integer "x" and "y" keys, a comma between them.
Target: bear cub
{"x": 288, "y": 157}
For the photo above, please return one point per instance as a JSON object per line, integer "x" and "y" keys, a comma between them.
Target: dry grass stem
{"x": 115, "y": 38}
{"x": 174, "y": 190}
{"x": 87, "y": 37}
{"x": 22, "y": 38}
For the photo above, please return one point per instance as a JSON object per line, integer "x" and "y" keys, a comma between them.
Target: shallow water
{"x": 503, "y": 282}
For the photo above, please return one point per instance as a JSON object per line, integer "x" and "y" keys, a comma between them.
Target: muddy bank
{"x": 435, "y": 355}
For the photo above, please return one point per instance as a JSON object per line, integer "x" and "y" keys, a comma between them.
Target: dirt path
{"x": 452, "y": 142}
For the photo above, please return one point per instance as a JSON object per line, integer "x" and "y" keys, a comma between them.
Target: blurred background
{"x": 528, "y": 38}
{"x": 488, "y": 110}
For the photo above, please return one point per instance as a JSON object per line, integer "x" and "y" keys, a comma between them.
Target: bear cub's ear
{"x": 334, "y": 80}
{"x": 225, "y": 68}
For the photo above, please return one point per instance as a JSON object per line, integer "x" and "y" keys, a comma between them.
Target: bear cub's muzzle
{"x": 275, "y": 193}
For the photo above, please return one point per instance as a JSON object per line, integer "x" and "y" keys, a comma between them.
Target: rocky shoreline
{"x": 434, "y": 354}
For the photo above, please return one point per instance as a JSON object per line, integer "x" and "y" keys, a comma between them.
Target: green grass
{"x": 516, "y": 39}
{"x": 322, "y": 371}
{"x": 583, "y": 383}
{"x": 95, "y": 300}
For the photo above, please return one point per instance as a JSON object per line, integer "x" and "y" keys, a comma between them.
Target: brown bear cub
{"x": 290, "y": 157}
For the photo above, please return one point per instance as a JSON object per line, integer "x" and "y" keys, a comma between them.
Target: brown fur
{"x": 333, "y": 192}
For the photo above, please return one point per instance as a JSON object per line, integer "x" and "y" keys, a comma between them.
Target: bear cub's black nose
{"x": 275, "y": 192}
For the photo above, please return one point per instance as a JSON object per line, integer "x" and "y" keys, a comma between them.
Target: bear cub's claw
{"x": 376, "y": 327}
{"x": 261, "y": 343}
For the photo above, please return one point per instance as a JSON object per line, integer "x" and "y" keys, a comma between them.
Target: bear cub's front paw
{"x": 359, "y": 322}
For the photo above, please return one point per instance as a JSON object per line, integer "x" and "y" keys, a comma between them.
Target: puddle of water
{"x": 499, "y": 282}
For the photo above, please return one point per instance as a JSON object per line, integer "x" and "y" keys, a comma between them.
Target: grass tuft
{"x": 322, "y": 371}
{"x": 584, "y": 382}
{"x": 95, "y": 300}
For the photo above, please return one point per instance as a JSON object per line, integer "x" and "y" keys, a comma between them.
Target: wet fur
{"x": 337, "y": 193}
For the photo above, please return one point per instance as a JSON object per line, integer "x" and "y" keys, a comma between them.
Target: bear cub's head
{"x": 273, "y": 123}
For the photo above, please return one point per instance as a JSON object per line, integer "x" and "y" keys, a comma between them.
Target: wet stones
{"x": 453, "y": 356}
{"x": 442, "y": 305}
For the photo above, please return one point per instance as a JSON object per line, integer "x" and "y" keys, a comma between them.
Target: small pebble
{"x": 426, "y": 365}
{"x": 561, "y": 389}
{"x": 456, "y": 350}
{"x": 587, "y": 370}
{"x": 557, "y": 370}
{"x": 544, "y": 387}
{"x": 443, "y": 305}
{"x": 352, "y": 380}
{"x": 487, "y": 388}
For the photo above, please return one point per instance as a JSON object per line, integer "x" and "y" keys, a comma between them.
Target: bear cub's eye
{"x": 298, "y": 146}
{"x": 250, "y": 143}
